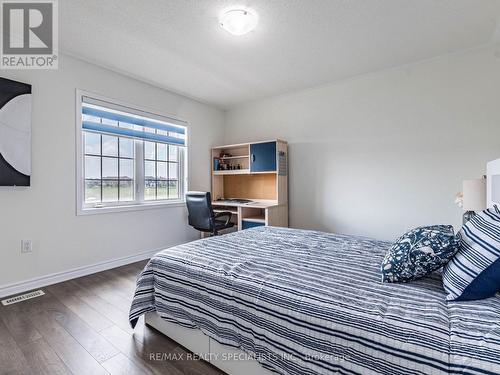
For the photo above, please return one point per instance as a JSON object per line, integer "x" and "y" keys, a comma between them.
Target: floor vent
{"x": 22, "y": 297}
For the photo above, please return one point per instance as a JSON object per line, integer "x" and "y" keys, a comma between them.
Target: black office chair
{"x": 202, "y": 216}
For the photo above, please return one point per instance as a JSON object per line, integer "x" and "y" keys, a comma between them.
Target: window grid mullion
{"x": 118, "y": 151}
{"x": 156, "y": 171}
{"x": 102, "y": 196}
{"x": 168, "y": 171}
{"x": 140, "y": 171}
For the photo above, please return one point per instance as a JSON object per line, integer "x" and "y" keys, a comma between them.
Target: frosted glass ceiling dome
{"x": 238, "y": 21}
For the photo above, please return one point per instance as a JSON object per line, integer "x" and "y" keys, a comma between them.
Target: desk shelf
{"x": 232, "y": 171}
{"x": 233, "y": 157}
{"x": 217, "y": 210}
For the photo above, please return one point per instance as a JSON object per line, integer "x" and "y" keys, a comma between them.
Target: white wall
{"x": 380, "y": 153}
{"x": 46, "y": 212}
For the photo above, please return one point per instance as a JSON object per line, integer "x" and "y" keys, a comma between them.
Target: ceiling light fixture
{"x": 239, "y": 21}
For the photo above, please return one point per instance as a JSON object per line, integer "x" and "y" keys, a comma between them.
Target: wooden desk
{"x": 255, "y": 213}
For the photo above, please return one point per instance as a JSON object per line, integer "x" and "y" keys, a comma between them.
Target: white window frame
{"x": 139, "y": 203}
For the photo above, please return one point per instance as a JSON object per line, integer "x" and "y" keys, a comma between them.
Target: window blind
{"x": 131, "y": 125}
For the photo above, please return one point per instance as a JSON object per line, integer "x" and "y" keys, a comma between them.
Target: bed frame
{"x": 231, "y": 360}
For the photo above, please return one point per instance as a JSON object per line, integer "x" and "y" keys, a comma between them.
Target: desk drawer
{"x": 250, "y": 224}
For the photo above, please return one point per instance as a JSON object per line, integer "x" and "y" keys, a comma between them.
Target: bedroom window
{"x": 108, "y": 168}
{"x": 127, "y": 158}
{"x": 161, "y": 171}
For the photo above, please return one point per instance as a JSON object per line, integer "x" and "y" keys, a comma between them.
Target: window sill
{"x": 131, "y": 207}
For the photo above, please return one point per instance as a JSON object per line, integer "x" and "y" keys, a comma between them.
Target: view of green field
{"x": 110, "y": 191}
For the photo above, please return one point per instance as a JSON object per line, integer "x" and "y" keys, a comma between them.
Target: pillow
{"x": 419, "y": 252}
{"x": 474, "y": 273}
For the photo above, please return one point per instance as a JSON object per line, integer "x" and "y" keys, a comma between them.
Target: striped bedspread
{"x": 307, "y": 302}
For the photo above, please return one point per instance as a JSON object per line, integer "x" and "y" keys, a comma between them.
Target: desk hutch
{"x": 257, "y": 172}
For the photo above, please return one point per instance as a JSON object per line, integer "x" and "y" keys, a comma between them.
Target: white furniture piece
{"x": 231, "y": 360}
{"x": 493, "y": 183}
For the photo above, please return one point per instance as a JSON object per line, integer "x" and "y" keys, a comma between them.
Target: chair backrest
{"x": 201, "y": 214}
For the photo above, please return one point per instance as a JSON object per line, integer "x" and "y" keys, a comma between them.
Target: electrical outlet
{"x": 26, "y": 246}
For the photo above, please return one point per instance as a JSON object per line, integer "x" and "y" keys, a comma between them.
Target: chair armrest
{"x": 225, "y": 213}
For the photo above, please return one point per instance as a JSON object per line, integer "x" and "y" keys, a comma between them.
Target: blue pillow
{"x": 419, "y": 252}
{"x": 474, "y": 273}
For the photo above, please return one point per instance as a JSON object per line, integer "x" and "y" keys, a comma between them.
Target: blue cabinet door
{"x": 263, "y": 157}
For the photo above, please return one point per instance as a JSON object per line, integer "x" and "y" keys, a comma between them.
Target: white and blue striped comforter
{"x": 306, "y": 302}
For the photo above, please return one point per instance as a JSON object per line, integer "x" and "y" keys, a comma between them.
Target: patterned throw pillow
{"x": 474, "y": 273}
{"x": 419, "y": 252}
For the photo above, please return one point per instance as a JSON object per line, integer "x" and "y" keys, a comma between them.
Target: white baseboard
{"x": 38, "y": 282}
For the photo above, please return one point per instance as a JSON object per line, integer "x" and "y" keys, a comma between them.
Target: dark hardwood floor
{"x": 81, "y": 327}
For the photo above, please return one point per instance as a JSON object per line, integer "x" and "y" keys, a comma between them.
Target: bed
{"x": 307, "y": 302}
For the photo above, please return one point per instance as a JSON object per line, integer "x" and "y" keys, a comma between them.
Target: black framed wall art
{"x": 15, "y": 133}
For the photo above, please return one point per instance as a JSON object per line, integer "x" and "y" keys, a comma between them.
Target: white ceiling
{"x": 178, "y": 44}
